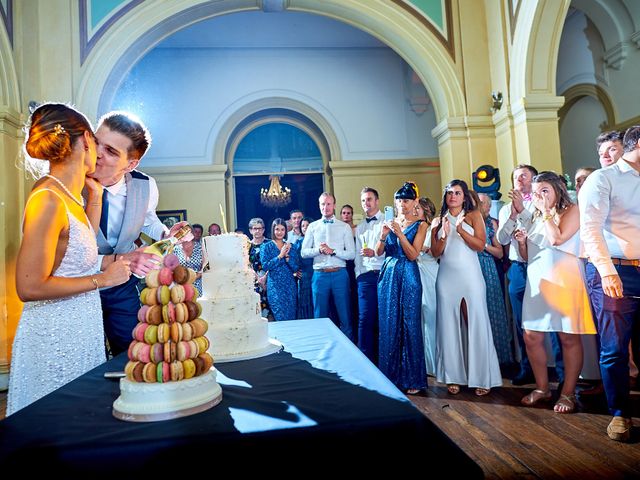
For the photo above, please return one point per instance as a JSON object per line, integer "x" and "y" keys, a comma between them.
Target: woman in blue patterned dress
{"x": 280, "y": 261}
{"x": 500, "y": 326}
{"x": 305, "y": 299}
{"x": 258, "y": 241}
{"x": 400, "y": 295}
{"x": 190, "y": 255}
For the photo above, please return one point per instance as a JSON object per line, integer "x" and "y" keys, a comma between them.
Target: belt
{"x": 518, "y": 262}
{"x": 625, "y": 262}
{"x": 330, "y": 270}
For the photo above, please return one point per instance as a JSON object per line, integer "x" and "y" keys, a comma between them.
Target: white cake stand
{"x": 154, "y": 402}
{"x": 274, "y": 346}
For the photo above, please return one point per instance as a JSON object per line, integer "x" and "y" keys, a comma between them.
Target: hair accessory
{"x": 408, "y": 191}
{"x": 58, "y": 129}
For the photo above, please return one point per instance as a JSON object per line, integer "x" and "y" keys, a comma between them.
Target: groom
{"x": 128, "y": 205}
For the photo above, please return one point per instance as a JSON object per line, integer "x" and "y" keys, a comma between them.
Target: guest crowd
{"x": 445, "y": 291}
{"x": 456, "y": 294}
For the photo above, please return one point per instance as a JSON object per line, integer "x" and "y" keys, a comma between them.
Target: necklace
{"x": 64, "y": 187}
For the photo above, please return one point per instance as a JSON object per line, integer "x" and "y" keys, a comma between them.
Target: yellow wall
{"x": 199, "y": 190}
{"x": 11, "y": 190}
{"x": 386, "y": 176}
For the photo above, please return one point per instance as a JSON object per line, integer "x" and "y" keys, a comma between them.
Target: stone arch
{"x": 577, "y": 92}
{"x": 144, "y": 26}
{"x": 611, "y": 18}
{"x": 319, "y": 125}
{"x": 536, "y": 43}
{"x": 265, "y": 117}
{"x": 262, "y": 112}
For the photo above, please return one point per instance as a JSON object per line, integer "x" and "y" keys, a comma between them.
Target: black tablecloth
{"x": 319, "y": 405}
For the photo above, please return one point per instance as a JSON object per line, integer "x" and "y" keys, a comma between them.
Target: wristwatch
{"x": 333, "y": 254}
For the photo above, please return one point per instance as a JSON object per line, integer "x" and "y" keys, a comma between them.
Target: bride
{"x": 60, "y": 333}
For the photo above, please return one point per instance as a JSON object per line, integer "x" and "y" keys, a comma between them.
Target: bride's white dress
{"x": 58, "y": 340}
{"x": 465, "y": 353}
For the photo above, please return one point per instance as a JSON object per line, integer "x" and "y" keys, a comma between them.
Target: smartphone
{"x": 388, "y": 213}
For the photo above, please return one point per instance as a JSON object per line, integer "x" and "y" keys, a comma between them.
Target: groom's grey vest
{"x": 135, "y": 210}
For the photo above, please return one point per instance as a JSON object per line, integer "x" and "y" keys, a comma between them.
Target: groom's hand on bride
{"x": 141, "y": 262}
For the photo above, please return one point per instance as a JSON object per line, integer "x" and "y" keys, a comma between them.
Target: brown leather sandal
{"x": 536, "y": 396}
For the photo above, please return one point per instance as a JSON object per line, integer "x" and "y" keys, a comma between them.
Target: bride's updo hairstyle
{"x": 53, "y": 130}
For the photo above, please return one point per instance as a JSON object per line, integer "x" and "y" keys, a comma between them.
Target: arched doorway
{"x": 276, "y": 142}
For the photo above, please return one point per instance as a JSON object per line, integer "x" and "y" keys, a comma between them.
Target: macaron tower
{"x": 169, "y": 372}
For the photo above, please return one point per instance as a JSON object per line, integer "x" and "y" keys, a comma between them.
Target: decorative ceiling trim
{"x": 446, "y": 37}
{"x": 7, "y": 18}
{"x": 88, "y": 37}
{"x": 513, "y": 15}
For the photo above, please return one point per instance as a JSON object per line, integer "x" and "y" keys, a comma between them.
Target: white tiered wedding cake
{"x": 229, "y": 302}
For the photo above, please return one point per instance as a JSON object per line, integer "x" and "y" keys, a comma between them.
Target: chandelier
{"x": 275, "y": 196}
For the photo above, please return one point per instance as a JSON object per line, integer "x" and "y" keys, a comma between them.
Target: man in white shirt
{"x": 128, "y": 206}
{"x": 518, "y": 215}
{"x": 330, "y": 243}
{"x": 367, "y": 269}
{"x": 609, "y": 204}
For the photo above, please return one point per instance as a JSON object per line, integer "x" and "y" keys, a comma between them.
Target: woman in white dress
{"x": 555, "y": 298}
{"x": 428, "y": 267}
{"x": 465, "y": 353}
{"x": 60, "y": 333}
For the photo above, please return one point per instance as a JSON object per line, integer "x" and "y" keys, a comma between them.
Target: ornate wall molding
{"x": 615, "y": 56}
{"x": 90, "y": 35}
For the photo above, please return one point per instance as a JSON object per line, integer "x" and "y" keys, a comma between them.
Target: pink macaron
{"x": 130, "y": 350}
{"x": 171, "y": 261}
{"x": 189, "y": 292}
{"x": 165, "y": 277}
{"x": 142, "y": 313}
{"x": 184, "y": 351}
{"x": 157, "y": 353}
{"x": 144, "y": 353}
{"x": 138, "y": 331}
